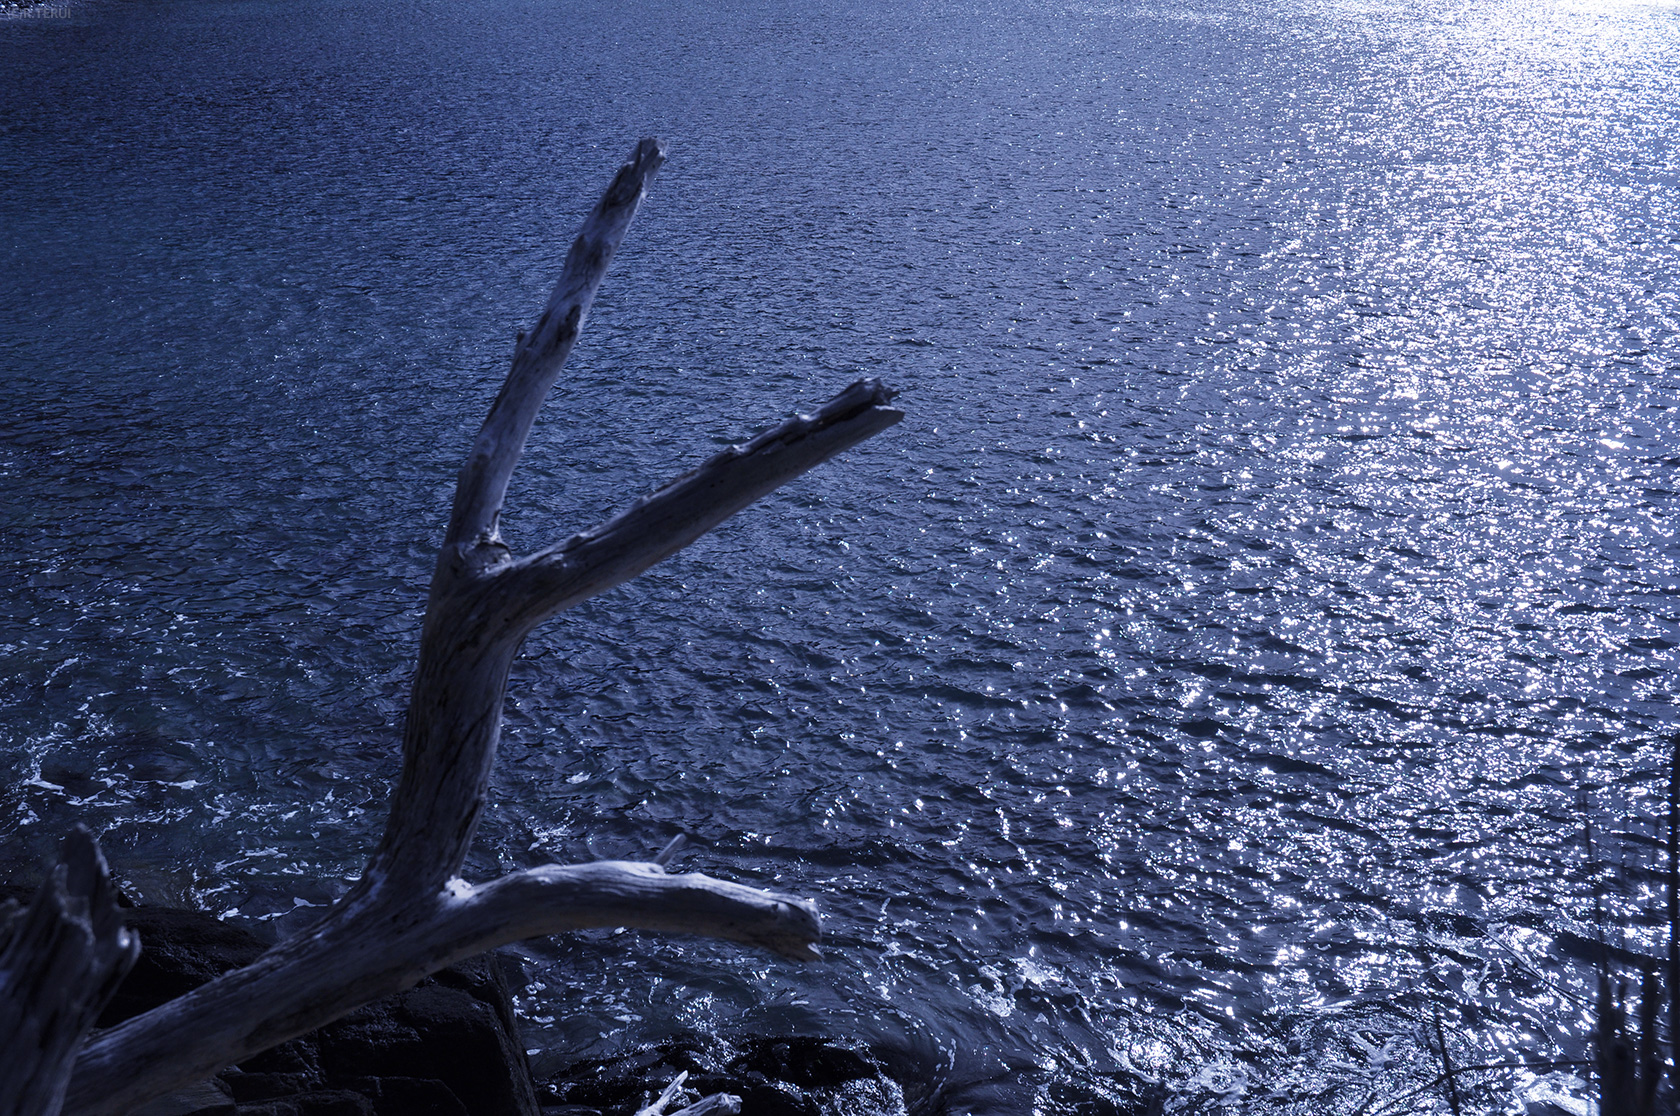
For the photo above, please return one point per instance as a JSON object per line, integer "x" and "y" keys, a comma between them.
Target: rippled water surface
{"x": 1205, "y": 686}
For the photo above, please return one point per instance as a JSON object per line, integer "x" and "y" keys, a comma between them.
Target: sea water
{"x": 1206, "y": 687}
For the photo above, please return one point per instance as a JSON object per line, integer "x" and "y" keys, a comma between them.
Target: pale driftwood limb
{"x": 409, "y": 915}
{"x": 718, "y": 1104}
{"x": 65, "y": 957}
{"x": 558, "y": 897}
{"x": 538, "y": 358}
{"x": 659, "y": 525}
{"x": 364, "y": 951}
{"x": 657, "y": 1108}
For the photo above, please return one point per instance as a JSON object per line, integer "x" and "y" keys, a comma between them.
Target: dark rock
{"x": 249, "y": 1087}
{"x": 179, "y": 950}
{"x": 456, "y": 1028}
{"x": 811, "y": 1063}
{"x": 797, "y": 1075}
{"x": 299, "y": 1056}
{"x": 207, "y": 1098}
{"x": 318, "y": 1102}
{"x": 78, "y": 780}
{"x": 416, "y": 1096}
{"x": 148, "y": 755}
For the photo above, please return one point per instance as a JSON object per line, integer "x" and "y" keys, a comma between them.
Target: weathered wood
{"x": 409, "y": 914}
{"x": 663, "y": 1101}
{"x": 64, "y": 958}
{"x": 665, "y": 522}
{"x": 480, "y": 614}
{"x": 541, "y": 353}
{"x": 718, "y": 1104}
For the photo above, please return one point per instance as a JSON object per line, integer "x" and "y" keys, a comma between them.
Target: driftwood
{"x": 410, "y": 914}
{"x": 720, "y": 1104}
{"x": 62, "y": 959}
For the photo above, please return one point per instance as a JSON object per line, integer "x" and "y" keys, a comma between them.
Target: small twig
{"x": 1447, "y": 1068}
{"x": 1674, "y": 912}
{"x": 657, "y": 1108}
{"x": 1648, "y": 1070}
{"x": 672, "y": 847}
{"x": 1593, "y": 868}
{"x": 718, "y": 1104}
{"x": 1535, "y": 974}
{"x": 1561, "y": 1063}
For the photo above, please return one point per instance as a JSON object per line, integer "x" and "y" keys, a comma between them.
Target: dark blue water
{"x": 1206, "y": 685}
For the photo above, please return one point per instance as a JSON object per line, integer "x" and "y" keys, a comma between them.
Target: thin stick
{"x": 542, "y": 352}
{"x": 1674, "y": 914}
{"x": 1395, "y": 1102}
{"x": 657, "y": 1108}
{"x": 1447, "y": 1067}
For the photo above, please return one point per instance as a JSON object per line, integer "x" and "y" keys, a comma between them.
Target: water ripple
{"x": 1200, "y": 690}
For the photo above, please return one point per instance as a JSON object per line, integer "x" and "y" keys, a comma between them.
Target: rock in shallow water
{"x": 795, "y": 1075}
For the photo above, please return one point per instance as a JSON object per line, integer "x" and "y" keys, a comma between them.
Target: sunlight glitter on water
{"x": 1200, "y": 689}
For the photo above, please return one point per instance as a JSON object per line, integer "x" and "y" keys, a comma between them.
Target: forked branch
{"x": 409, "y": 914}
{"x": 659, "y": 525}
{"x": 538, "y": 358}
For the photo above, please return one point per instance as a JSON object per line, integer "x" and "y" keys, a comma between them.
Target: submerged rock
{"x": 794, "y": 1075}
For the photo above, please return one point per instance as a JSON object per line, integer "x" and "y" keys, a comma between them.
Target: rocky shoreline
{"x": 450, "y": 1046}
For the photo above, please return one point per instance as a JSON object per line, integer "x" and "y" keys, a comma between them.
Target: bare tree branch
{"x": 559, "y": 897}
{"x": 659, "y": 525}
{"x": 478, "y": 619}
{"x": 718, "y": 1104}
{"x": 361, "y": 952}
{"x": 409, "y": 914}
{"x": 473, "y": 524}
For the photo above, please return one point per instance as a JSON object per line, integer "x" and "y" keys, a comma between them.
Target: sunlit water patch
{"x": 1204, "y": 689}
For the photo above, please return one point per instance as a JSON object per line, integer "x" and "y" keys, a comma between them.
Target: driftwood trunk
{"x": 410, "y": 913}
{"x": 61, "y": 960}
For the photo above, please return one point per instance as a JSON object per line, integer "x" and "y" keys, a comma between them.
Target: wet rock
{"x": 317, "y": 1102}
{"x": 248, "y": 1088}
{"x": 146, "y": 755}
{"x": 774, "y": 1076}
{"x": 456, "y": 1030}
{"x": 179, "y": 950}
{"x": 417, "y": 1096}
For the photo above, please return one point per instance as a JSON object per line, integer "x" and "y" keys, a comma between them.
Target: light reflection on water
{"x": 1204, "y": 686}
